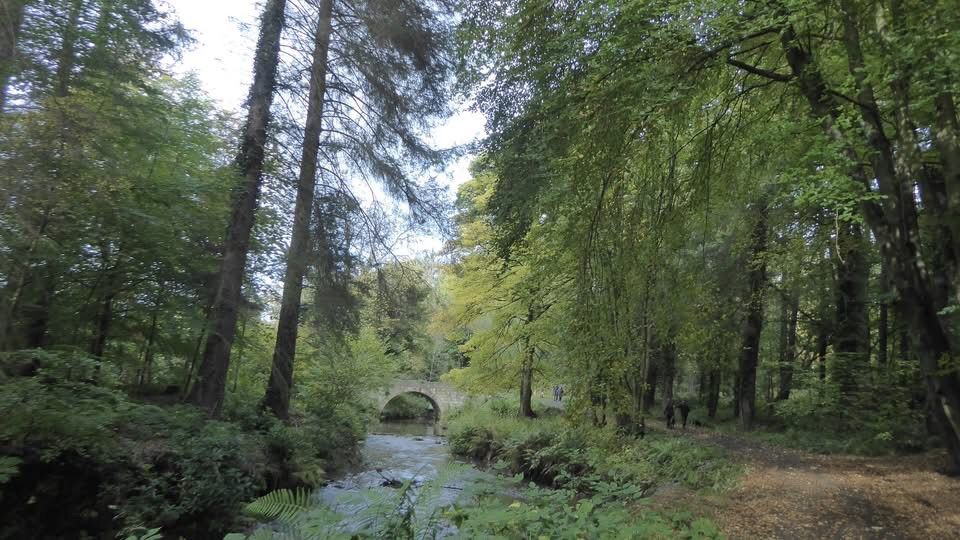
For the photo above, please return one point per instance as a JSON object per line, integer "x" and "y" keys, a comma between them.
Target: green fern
{"x": 411, "y": 511}
{"x": 283, "y": 505}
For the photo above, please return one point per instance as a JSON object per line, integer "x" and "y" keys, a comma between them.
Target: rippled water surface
{"x": 397, "y": 451}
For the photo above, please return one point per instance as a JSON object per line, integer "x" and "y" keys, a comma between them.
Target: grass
{"x": 829, "y": 430}
{"x": 582, "y": 481}
{"x": 554, "y": 452}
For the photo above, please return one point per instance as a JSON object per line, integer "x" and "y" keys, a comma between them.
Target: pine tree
{"x": 277, "y": 397}
{"x": 208, "y": 391}
{"x": 379, "y": 73}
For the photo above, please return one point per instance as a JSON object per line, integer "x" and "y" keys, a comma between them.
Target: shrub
{"x": 113, "y": 462}
{"x": 876, "y": 420}
{"x": 479, "y": 431}
{"x": 558, "y": 514}
{"x": 586, "y": 459}
{"x": 190, "y": 475}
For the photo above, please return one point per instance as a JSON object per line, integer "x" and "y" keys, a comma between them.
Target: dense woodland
{"x": 753, "y": 207}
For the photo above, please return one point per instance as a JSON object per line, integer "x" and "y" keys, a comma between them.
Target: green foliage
{"x": 411, "y": 512}
{"x": 142, "y": 533}
{"x": 280, "y": 505}
{"x": 877, "y": 420}
{"x": 142, "y": 464}
{"x": 58, "y": 413}
{"x": 331, "y": 407}
{"x": 685, "y": 461}
{"x": 396, "y": 307}
{"x": 630, "y": 144}
{"x": 196, "y": 470}
{"x": 335, "y": 380}
{"x": 586, "y": 459}
{"x": 556, "y": 514}
{"x": 108, "y": 224}
{"x": 479, "y": 432}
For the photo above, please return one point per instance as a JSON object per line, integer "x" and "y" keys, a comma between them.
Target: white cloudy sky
{"x": 225, "y": 33}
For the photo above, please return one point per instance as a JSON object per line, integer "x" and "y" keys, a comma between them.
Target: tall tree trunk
{"x": 788, "y": 357}
{"x": 753, "y": 324}
{"x": 243, "y": 346}
{"x": 38, "y": 314}
{"x": 713, "y": 392}
{"x": 903, "y": 344}
{"x": 526, "y": 381}
{"x": 851, "y": 337}
{"x": 11, "y": 17}
{"x": 650, "y": 392}
{"x": 883, "y": 319}
{"x": 822, "y": 342}
{"x": 209, "y": 390}
{"x": 946, "y": 137}
{"x": 146, "y": 369}
{"x": 736, "y": 392}
{"x": 896, "y": 227}
{"x": 192, "y": 364}
{"x": 104, "y": 318}
{"x": 669, "y": 356}
{"x": 102, "y": 326}
{"x": 281, "y": 375}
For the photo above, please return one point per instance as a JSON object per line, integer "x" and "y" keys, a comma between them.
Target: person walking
{"x": 668, "y": 414}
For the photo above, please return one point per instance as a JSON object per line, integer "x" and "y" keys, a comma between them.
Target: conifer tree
{"x": 379, "y": 75}
{"x": 208, "y": 391}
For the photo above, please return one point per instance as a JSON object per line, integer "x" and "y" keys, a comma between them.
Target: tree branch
{"x": 766, "y": 73}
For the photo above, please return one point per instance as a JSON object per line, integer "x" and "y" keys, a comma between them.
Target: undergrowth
{"x": 559, "y": 481}
{"x": 70, "y": 440}
{"x": 561, "y": 514}
{"x": 881, "y": 418}
{"x": 413, "y": 512}
{"x": 555, "y": 453}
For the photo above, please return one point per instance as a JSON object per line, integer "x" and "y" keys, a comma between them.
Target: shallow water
{"x": 399, "y": 451}
{"x": 412, "y": 428}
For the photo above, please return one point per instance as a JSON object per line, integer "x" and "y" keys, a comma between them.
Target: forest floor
{"x": 790, "y": 494}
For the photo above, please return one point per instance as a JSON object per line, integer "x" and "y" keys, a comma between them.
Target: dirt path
{"x": 795, "y": 495}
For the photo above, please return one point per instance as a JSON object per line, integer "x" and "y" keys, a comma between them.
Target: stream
{"x": 401, "y": 451}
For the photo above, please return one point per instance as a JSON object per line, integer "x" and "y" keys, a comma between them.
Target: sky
{"x": 222, "y": 58}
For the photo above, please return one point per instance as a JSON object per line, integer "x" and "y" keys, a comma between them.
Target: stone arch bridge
{"x": 442, "y": 396}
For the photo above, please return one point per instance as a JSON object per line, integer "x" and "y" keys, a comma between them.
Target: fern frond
{"x": 283, "y": 505}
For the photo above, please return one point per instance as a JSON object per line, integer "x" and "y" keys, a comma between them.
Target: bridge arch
{"x": 442, "y": 396}
{"x": 430, "y": 399}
